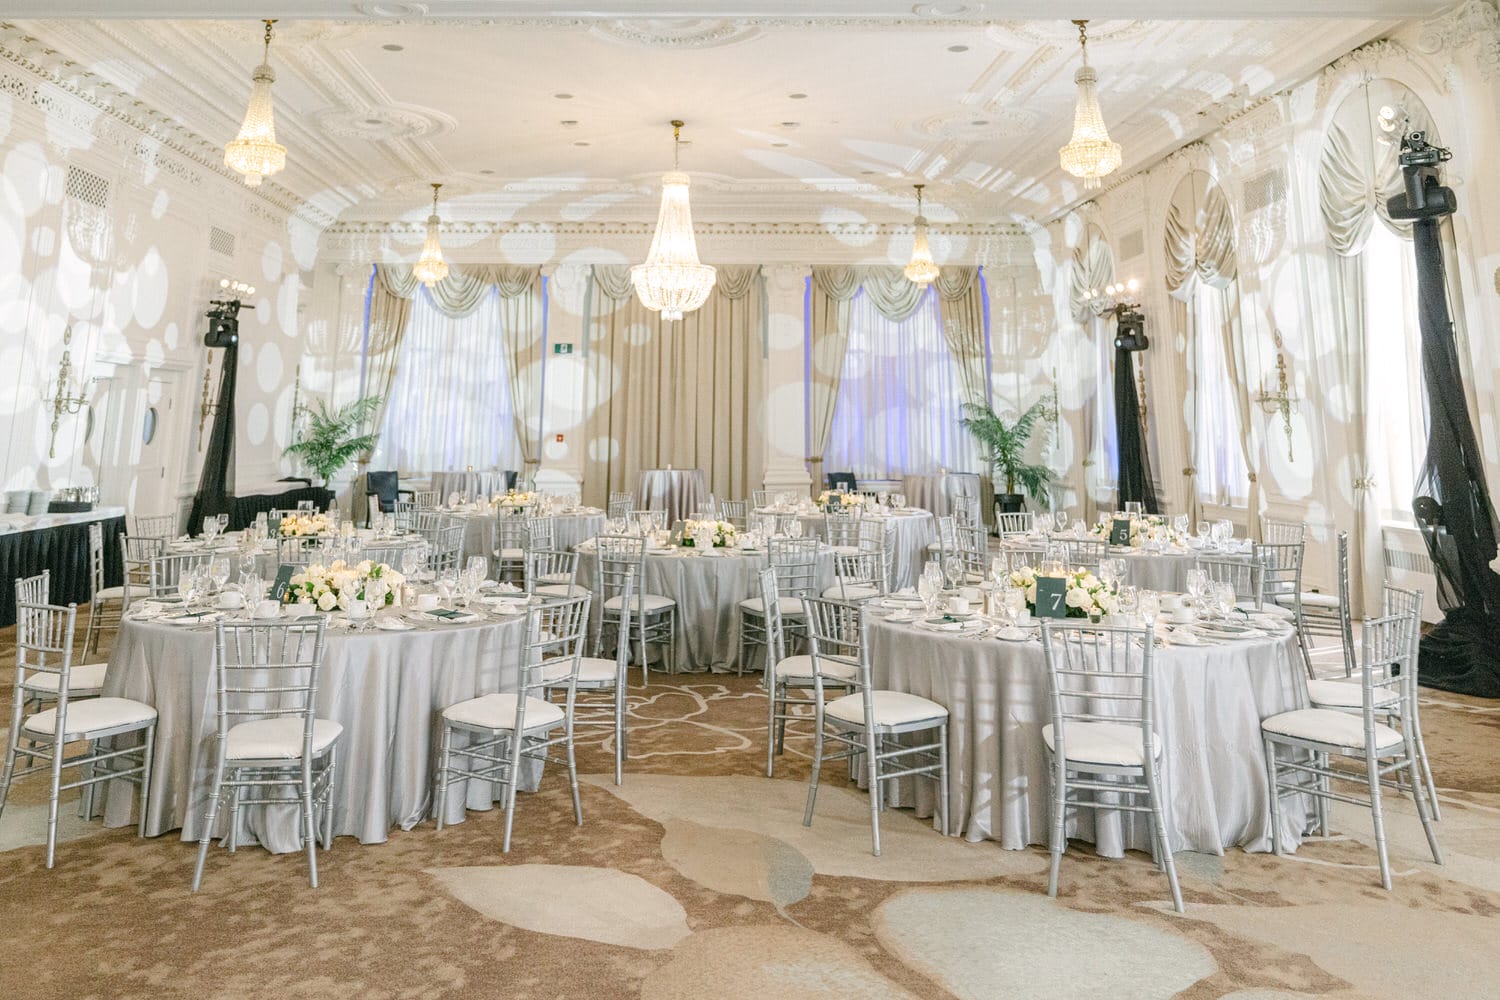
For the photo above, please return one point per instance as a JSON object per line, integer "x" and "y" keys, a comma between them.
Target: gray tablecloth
{"x": 707, "y": 589}
{"x": 679, "y": 492}
{"x": 568, "y": 531}
{"x": 1210, "y": 701}
{"x": 934, "y": 492}
{"x": 1160, "y": 571}
{"x": 385, "y": 688}
{"x": 907, "y": 535}
{"x": 472, "y": 484}
{"x": 386, "y": 549}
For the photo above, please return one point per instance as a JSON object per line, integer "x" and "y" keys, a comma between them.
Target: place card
{"x": 1051, "y": 597}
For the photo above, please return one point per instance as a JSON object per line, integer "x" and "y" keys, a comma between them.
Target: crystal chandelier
{"x": 672, "y": 281}
{"x": 1089, "y": 154}
{"x": 430, "y": 268}
{"x": 922, "y": 270}
{"x": 255, "y": 152}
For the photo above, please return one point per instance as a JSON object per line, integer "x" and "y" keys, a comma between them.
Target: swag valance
{"x": 1200, "y": 239}
{"x": 1361, "y": 168}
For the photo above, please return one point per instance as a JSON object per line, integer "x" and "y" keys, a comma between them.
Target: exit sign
{"x": 562, "y": 348}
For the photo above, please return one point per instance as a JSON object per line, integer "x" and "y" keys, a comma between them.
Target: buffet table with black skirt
{"x": 60, "y": 543}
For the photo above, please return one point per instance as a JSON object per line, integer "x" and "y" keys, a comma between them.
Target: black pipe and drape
{"x": 1134, "y": 466}
{"x": 216, "y": 484}
{"x": 1452, "y": 502}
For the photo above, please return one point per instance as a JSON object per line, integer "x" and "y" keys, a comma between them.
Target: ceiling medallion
{"x": 254, "y": 152}
{"x": 977, "y": 124}
{"x": 1033, "y": 33}
{"x": 673, "y": 281}
{"x": 387, "y": 122}
{"x": 393, "y": 9}
{"x": 676, "y": 32}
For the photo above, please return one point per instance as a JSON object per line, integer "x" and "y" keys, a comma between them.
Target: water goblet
{"x": 953, "y": 571}
{"x": 1129, "y": 601}
{"x": 247, "y": 563}
{"x": 447, "y": 584}
{"x": 1181, "y": 523}
{"x": 1015, "y": 603}
{"x": 1150, "y": 605}
{"x": 219, "y": 572}
{"x": 185, "y": 586}
{"x": 998, "y": 570}
{"x": 794, "y": 527}
{"x": 1060, "y": 520}
{"x": 1197, "y": 583}
{"x": 928, "y": 588}
{"x": 479, "y": 567}
{"x": 1203, "y": 531}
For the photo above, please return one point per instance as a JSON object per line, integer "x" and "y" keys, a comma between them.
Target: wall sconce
{"x": 1281, "y": 398}
{"x": 209, "y": 404}
{"x": 65, "y": 393}
{"x": 1113, "y": 297}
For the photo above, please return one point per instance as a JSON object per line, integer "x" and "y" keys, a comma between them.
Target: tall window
{"x": 1106, "y": 470}
{"x": 899, "y": 401}
{"x": 450, "y": 406}
{"x": 1395, "y": 415}
{"x": 1220, "y": 459}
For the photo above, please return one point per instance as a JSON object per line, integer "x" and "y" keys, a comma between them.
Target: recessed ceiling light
{"x": 867, "y": 173}
{"x": 797, "y": 97}
{"x": 393, "y": 47}
{"x": 582, "y": 142}
{"x": 958, "y": 48}
{"x": 486, "y": 171}
{"x": 980, "y": 122}
{"x": 563, "y": 97}
{"x": 779, "y": 145}
{"x": 373, "y": 121}
{"x": 790, "y": 124}
{"x": 568, "y": 123}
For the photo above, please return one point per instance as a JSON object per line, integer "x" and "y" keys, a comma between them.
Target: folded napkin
{"x": 391, "y": 624}
{"x": 452, "y": 617}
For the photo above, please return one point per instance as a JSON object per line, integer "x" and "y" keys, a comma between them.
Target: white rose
{"x": 365, "y": 567}
{"x": 1078, "y": 598}
{"x": 326, "y": 601}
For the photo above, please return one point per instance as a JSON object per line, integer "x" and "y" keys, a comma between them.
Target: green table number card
{"x": 1119, "y": 531}
{"x": 835, "y": 503}
{"x": 1051, "y": 597}
{"x": 283, "y": 580}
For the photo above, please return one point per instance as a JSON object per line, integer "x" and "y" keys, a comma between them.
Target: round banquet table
{"x": 1164, "y": 571}
{"x": 708, "y": 587}
{"x": 381, "y": 548}
{"x": 679, "y": 492}
{"x": 385, "y": 688}
{"x": 1210, "y": 702}
{"x": 908, "y": 532}
{"x": 933, "y": 492}
{"x": 568, "y": 530}
{"x": 470, "y": 483}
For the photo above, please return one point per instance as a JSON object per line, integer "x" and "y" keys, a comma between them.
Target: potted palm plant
{"x": 333, "y": 439}
{"x": 1004, "y": 448}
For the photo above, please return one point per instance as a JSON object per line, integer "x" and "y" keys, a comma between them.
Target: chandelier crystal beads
{"x": 922, "y": 269}
{"x": 430, "y": 268}
{"x": 673, "y": 281}
{"x": 254, "y": 152}
{"x": 1089, "y": 154}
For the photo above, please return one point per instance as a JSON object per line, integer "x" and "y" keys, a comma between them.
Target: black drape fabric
{"x": 1462, "y": 653}
{"x": 216, "y": 484}
{"x": 242, "y": 510}
{"x": 65, "y": 551}
{"x": 1134, "y": 466}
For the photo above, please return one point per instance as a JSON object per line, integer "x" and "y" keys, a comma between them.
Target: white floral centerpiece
{"x": 1143, "y": 531}
{"x": 511, "y": 502}
{"x": 708, "y": 534}
{"x": 846, "y": 500}
{"x": 339, "y": 584}
{"x": 303, "y": 525}
{"x": 1086, "y": 594}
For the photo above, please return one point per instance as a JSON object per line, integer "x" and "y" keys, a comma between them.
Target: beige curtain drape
{"x": 1359, "y": 171}
{"x": 1200, "y": 249}
{"x": 457, "y": 295}
{"x": 1092, "y": 270}
{"x": 833, "y": 288}
{"x": 961, "y": 302}
{"x": 685, "y": 394}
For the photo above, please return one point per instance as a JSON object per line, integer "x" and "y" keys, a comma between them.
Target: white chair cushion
{"x": 651, "y": 602}
{"x": 845, "y": 550}
{"x": 892, "y": 708}
{"x": 118, "y": 593}
{"x": 853, "y": 592}
{"x": 593, "y": 671}
{"x": 1324, "y": 725}
{"x": 1347, "y": 694}
{"x": 553, "y": 577}
{"x": 86, "y": 679}
{"x": 1110, "y": 743}
{"x": 1311, "y": 599}
{"x": 498, "y": 712}
{"x": 801, "y": 668}
{"x": 92, "y": 716}
{"x": 562, "y": 590}
{"x": 512, "y": 553}
{"x": 789, "y": 606}
{"x": 278, "y": 739}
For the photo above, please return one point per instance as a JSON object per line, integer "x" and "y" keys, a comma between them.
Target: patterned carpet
{"x": 696, "y": 879}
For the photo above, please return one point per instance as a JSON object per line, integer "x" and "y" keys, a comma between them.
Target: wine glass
{"x": 794, "y": 527}
{"x": 447, "y": 583}
{"x": 928, "y": 588}
{"x": 1015, "y": 603}
{"x": 998, "y": 570}
{"x": 1060, "y": 520}
{"x": 222, "y": 520}
{"x": 1150, "y": 605}
{"x": 1107, "y": 573}
{"x": 210, "y": 528}
{"x": 1203, "y": 531}
{"x": 218, "y": 570}
{"x": 1181, "y": 523}
{"x": 185, "y": 582}
{"x": 1118, "y": 567}
{"x": 953, "y": 571}
{"x": 1130, "y": 601}
{"x": 478, "y": 567}
{"x": 1197, "y": 583}
{"x": 247, "y": 564}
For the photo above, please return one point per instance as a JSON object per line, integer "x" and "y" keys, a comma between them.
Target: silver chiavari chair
{"x": 508, "y": 544}
{"x": 653, "y": 618}
{"x": 858, "y": 576}
{"x": 1103, "y": 749}
{"x": 553, "y": 573}
{"x": 966, "y": 511}
{"x": 795, "y": 561}
{"x": 106, "y": 604}
{"x": 404, "y": 514}
{"x": 785, "y": 674}
{"x": 270, "y": 748}
{"x": 974, "y": 553}
{"x": 1329, "y": 614}
{"x": 736, "y": 512}
{"x": 646, "y": 520}
{"x": 1241, "y": 573}
{"x": 599, "y": 675}
{"x": 85, "y": 680}
{"x": 841, "y": 530}
{"x": 34, "y": 589}
{"x": 1081, "y": 553}
{"x": 445, "y": 541}
{"x": 1282, "y": 532}
{"x": 426, "y": 499}
{"x": 947, "y": 539}
{"x": 620, "y": 504}
{"x": 1281, "y": 575}
{"x": 136, "y": 554}
{"x": 1018, "y": 556}
{"x": 760, "y": 499}
{"x": 504, "y": 728}
{"x": 1315, "y": 734}
{"x": 1015, "y": 523}
{"x": 870, "y": 726}
{"x": 297, "y": 550}
{"x": 44, "y": 662}
{"x": 167, "y": 569}
{"x": 154, "y": 526}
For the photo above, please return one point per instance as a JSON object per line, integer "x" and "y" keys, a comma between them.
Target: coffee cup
{"x": 357, "y": 611}
{"x": 427, "y": 602}
{"x": 958, "y": 606}
{"x": 231, "y": 599}
{"x": 970, "y": 594}
{"x": 1183, "y": 616}
{"x": 267, "y": 609}
{"x": 1171, "y": 602}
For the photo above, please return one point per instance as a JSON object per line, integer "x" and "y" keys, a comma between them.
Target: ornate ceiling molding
{"x": 1364, "y": 63}
{"x": 676, "y": 32}
{"x": 378, "y": 124}
{"x": 1477, "y": 23}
